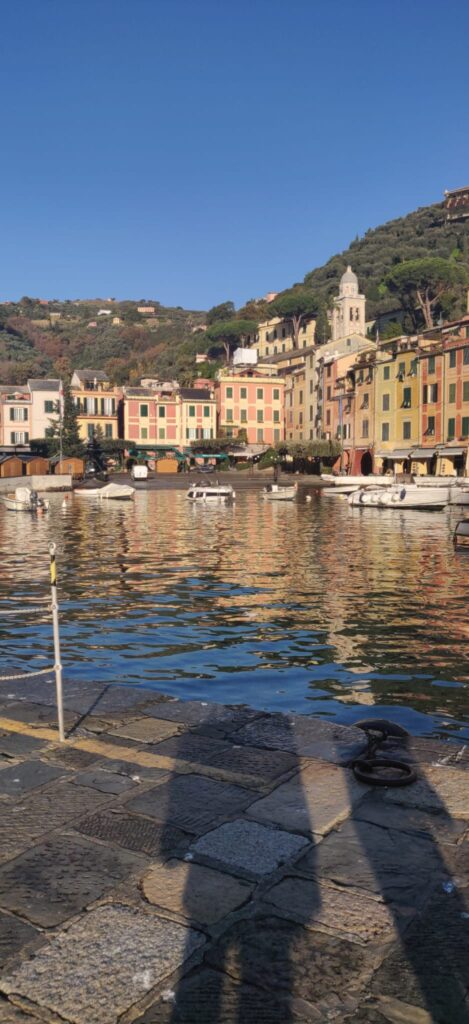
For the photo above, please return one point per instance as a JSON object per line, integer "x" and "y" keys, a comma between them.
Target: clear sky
{"x": 195, "y": 151}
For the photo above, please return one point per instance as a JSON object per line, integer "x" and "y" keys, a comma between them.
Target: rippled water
{"x": 309, "y": 606}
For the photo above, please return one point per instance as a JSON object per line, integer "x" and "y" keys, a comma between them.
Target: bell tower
{"x": 348, "y": 312}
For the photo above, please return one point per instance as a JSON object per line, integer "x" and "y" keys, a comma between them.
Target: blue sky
{"x": 194, "y": 152}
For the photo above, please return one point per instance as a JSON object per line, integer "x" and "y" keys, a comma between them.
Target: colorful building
{"x": 251, "y": 404}
{"x": 165, "y": 416}
{"x": 97, "y": 403}
{"x": 15, "y": 416}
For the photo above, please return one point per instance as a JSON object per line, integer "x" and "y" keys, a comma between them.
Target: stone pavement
{"x": 190, "y": 863}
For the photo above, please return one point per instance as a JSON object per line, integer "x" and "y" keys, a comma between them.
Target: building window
{"x": 385, "y": 431}
{"x": 465, "y": 391}
{"x": 192, "y": 410}
{"x": 244, "y": 416}
{"x": 328, "y": 418}
{"x": 144, "y": 411}
{"x": 401, "y": 370}
{"x": 452, "y": 394}
{"x": 260, "y": 394}
{"x": 276, "y": 394}
{"x": 386, "y": 372}
{"x": 365, "y": 401}
{"x": 229, "y": 415}
{"x": 465, "y": 356}
{"x": 406, "y": 430}
{"x": 365, "y": 428}
{"x": 229, "y": 392}
{"x": 452, "y": 359}
{"x": 108, "y": 429}
{"x": 328, "y": 392}
{"x": 451, "y": 428}
{"x": 161, "y": 433}
{"x": 283, "y": 347}
{"x": 90, "y": 429}
{"x": 385, "y": 403}
{"x": 433, "y": 393}
{"x": 19, "y": 414}
{"x": 48, "y": 406}
{"x": 277, "y": 435}
{"x": 431, "y": 425}
{"x": 407, "y": 398}
{"x": 276, "y": 416}
{"x": 19, "y": 437}
{"x": 243, "y": 393}
{"x": 260, "y": 416}
{"x": 413, "y": 368}
{"x": 431, "y": 364}
{"x": 328, "y": 370}
{"x": 260, "y": 434}
{"x": 425, "y": 394}
{"x": 144, "y": 433}
{"x": 206, "y": 410}
{"x": 465, "y": 426}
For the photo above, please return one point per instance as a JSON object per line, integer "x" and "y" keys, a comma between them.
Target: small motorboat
{"x": 275, "y": 492}
{"x": 116, "y": 492}
{"x": 203, "y": 492}
{"x": 25, "y": 500}
{"x": 461, "y": 533}
{"x": 405, "y": 496}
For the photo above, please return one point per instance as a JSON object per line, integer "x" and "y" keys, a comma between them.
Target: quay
{"x": 179, "y": 862}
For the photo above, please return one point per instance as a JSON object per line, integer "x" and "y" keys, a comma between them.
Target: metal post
{"x": 55, "y": 624}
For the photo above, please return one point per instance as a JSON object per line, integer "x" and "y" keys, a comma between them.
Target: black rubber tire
{"x": 363, "y": 771}
{"x": 382, "y": 726}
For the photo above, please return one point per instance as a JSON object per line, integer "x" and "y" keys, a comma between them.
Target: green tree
{"x": 296, "y": 305}
{"x": 230, "y": 334}
{"x": 225, "y": 311}
{"x": 72, "y": 444}
{"x": 323, "y": 327}
{"x": 425, "y": 284}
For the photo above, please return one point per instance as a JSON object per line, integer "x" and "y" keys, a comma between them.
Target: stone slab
{"x": 15, "y": 744}
{"x": 11, "y": 1015}
{"x": 71, "y": 757}
{"x": 249, "y": 848}
{"x": 429, "y": 968}
{"x": 305, "y": 736}
{"x": 40, "y": 715}
{"x": 313, "y": 801}
{"x": 27, "y": 820}
{"x": 200, "y": 713}
{"x": 20, "y": 778}
{"x": 134, "y": 771}
{"x": 197, "y": 892}
{"x": 147, "y": 730}
{"x": 201, "y": 751}
{"x": 346, "y": 914}
{"x": 135, "y": 833}
{"x": 441, "y": 828}
{"x": 398, "y": 867}
{"x": 210, "y": 997}
{"x": 438, "y": 790}
{"x": 14, "y": 934}
{"x": 106, "y": 782}
{"x": 61, "y": 876}
{"x": 278, "y": 956}
{"x": 191, "y": 802}
{"x": 104, "y": 963}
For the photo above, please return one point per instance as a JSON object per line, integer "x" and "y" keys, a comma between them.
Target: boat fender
{"x": 402, "y": 494}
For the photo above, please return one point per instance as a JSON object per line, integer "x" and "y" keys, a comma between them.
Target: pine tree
{"x": 72, "y": 445}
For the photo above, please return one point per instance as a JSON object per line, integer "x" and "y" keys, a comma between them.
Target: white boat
{"x": 210, "y": 492}
{"x": 357, "y": 481}
{"x": 459, "y": 495}
{"x": 403, "y": 496}
{"x": 461, "y": 532}
{"x": 25, "y": 500}
{"x": 116, "y": 492}
{"x": 275, "y": 492}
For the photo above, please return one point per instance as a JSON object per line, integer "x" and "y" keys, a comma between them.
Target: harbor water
{"x": 307, "y": 606}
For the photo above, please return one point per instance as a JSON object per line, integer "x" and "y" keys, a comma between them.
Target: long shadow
{"x": 413, "y": 861}
{"x": 246, "y": 975}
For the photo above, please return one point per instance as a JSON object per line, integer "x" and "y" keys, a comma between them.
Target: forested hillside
{"x": 422, "y": 233}
{"x": 39, "y": 338}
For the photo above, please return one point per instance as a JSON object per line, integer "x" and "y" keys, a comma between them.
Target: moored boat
{"x": 25, "y": 500}
{"x": 115, "y": 492}
{"x": 403, "y": 496}
{"x": 203, "y": 492}
{"x": 461, "y": 532}
{"x": 275, "y": 492}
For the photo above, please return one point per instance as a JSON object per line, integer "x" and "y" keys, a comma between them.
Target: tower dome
{"x": 348, "y": 283}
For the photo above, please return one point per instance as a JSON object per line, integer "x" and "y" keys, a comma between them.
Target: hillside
{"x": 43, "y": 339}
{"x": 421, "y": 233}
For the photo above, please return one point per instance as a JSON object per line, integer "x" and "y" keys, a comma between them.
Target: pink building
{"x": 252, "y": 403}
{"x": 168, "y": 417}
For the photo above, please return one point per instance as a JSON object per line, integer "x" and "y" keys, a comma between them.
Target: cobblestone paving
{"x": 188, "y": 863}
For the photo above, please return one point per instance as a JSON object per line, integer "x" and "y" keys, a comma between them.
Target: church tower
{"x": 348, "y": 313}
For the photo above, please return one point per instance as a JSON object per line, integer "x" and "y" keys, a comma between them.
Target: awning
{"x": 400, "y": 453}
{"x": 450, "y": 452}
{"x": 423, "y": 453}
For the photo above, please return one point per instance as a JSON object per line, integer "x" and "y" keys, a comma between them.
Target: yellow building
{"x": 97, "y": 403}
{"x": 295, "y": 395}
{"x": 275, "y": 337}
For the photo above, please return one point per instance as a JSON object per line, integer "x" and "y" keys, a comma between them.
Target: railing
{"x": 57, "y": 666}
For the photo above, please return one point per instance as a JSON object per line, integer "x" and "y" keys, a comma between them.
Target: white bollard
{"x": 57, "y": 659}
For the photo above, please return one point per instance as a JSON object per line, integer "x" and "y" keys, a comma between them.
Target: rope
{"x": 20, "y": 611}
{"x": 28, "y": 675}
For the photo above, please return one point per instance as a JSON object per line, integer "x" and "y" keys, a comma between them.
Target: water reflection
{"x": 309, "y": 607}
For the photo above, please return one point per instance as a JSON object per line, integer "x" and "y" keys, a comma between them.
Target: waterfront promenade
{"x": 191, "y": 863}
